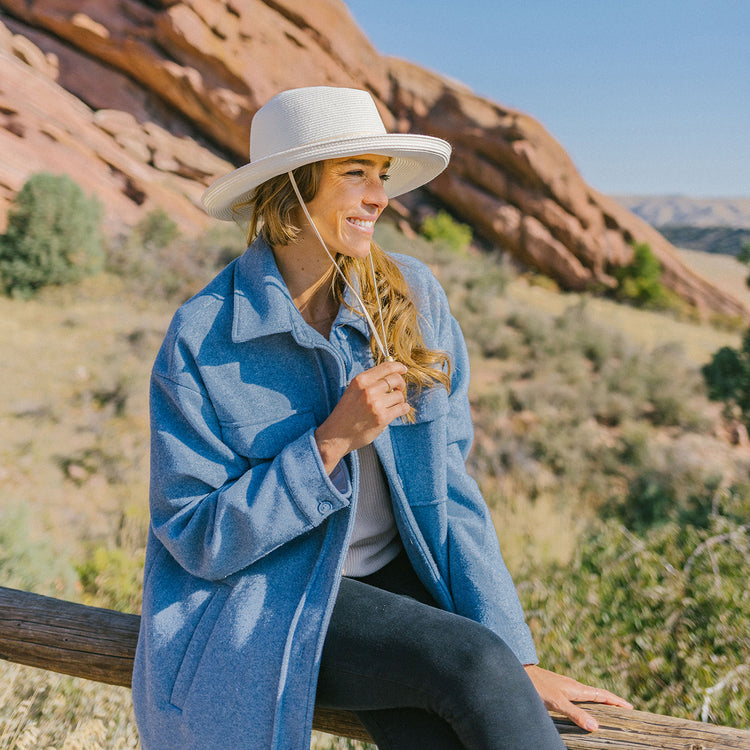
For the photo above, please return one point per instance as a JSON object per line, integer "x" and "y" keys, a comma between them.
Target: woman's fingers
{"x": 609, "y": 699}
{"x": 580, "y": 716}
{"x": 382, "y": 386}
{"x": 558, "y": 693}
{"x": 372, "y": 400}
{"x": 577, "y": 715}
{"x": 393, "y": 383}
{"x": 388, "y": 375}
{"x": 578, "y": 691}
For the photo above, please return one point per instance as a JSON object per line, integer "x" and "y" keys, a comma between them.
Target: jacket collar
{"x": 263, "y": 305}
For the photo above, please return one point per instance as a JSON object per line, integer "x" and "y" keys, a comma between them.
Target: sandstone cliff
{"x": 145, "y": 102}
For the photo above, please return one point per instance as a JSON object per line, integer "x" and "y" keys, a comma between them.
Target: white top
{"x": 375, "y": 540}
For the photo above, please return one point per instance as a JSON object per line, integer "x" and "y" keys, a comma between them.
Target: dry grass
{"x": 651, "y": 329}
{"x": 74, "y": 422}
{"x": 723, "y": 270}
{"x": 323, "y": 741}
{"x": 642, "y": 327}
{"x": 44, "y": 711}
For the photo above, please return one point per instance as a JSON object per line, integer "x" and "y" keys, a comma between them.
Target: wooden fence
{"x": 99, "y": 644}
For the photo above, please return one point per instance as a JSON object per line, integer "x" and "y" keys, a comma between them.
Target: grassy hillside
{"x": 588, "y": 414}
{"x": 723, "y": 270}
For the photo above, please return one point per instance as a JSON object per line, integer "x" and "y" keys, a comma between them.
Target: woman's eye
{"x": 361, "y": 174}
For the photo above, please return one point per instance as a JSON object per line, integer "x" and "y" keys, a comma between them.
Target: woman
{"x": 313, "y": 528}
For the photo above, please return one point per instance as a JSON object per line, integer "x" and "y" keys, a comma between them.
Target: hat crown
{"x": 301, "y": 117}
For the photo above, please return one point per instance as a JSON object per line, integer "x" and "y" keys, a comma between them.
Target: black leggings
{"x": 420, "y": 677}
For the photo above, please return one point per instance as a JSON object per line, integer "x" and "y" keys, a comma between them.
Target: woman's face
{"x": 349, "y": 200}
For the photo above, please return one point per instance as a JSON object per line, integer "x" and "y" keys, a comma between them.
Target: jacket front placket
{"x": 357, "y": 348}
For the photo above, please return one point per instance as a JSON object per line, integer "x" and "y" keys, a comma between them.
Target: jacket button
{"x": 325, "y": 507}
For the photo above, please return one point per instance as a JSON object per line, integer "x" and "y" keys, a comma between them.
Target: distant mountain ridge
{"x": 722, "y": 240}
{"x": 680, "y": 210}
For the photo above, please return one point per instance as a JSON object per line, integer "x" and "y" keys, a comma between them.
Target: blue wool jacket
{"x": 248, "y": 533}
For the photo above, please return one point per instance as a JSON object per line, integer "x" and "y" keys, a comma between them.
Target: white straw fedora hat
{"x": 302, "y": 126}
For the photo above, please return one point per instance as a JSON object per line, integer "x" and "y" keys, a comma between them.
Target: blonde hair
{"x": 400, "y": 319}
{"x": 274, "y": 206}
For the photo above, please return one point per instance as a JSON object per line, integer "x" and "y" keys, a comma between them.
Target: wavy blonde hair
{"x": 274, "y": 207}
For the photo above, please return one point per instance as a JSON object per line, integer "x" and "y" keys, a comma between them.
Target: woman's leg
{"x": 413, "y": 728}
{"x": 394, "y": 728}
{"x": 388, "y": 651}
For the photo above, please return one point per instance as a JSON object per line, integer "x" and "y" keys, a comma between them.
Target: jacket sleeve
{"x": 213, "y": 512}
{"x": 480, "y": 583}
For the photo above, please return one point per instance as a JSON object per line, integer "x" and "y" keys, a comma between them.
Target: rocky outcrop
{"x": 515, "y": 184}
{"x": 145, "y": 103}
{"x": 131, "y": 166}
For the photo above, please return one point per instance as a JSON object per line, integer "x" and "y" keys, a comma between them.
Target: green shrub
{"x": 639, "y": 283}
{"x": 681, "y": 481}
{"x": 653, "y": 499}
{"x": 727, "y": 378}
{"x": 156, "y": 229}
{"x": 442, "y": 227}
{"x": 111, "y": 572}
{"x": 673, "y": 385}
{"x": 112, "y": 577}
{"x": 54, "y": 236}
{"x": 577, "y": 402}
{"x": 743, "y": 256}
{"x": 661, "y": 618}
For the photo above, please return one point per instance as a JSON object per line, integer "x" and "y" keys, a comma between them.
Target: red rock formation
{"x": 145, "y": 103}
{"x": 132, "y": 167}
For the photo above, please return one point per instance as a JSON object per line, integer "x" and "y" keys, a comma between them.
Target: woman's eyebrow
{"x": 363, "y": 162}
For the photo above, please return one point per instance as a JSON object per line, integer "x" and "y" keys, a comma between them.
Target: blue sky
{"x": 647, "y": 96}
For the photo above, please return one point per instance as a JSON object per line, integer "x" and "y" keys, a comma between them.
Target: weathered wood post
{"x": 99, "y": 644}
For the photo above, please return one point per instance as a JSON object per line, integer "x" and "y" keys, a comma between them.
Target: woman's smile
{"x": 366, "y": 225}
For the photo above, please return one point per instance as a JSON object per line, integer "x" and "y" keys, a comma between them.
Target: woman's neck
{"x": 308, "y": 277}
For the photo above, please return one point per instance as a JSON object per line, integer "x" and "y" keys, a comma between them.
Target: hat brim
{"x": 415, "y": 160}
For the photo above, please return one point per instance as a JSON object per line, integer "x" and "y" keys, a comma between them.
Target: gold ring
{"x": 390, "y": 390}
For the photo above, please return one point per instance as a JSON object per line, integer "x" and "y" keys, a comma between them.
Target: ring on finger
{"x": 390, "y": 390}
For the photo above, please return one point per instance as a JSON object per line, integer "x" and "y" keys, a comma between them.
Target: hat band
{"x": 338, "y": 138}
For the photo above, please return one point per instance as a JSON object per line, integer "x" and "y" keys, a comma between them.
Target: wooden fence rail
{"x": 99, "y": 644}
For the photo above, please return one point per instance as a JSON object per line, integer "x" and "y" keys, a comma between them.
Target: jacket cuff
{"x": 315, "y": 493}
{"x": 526, "y": 654}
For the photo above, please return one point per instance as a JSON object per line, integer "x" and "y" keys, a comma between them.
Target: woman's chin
{"x": 358, "y": 251}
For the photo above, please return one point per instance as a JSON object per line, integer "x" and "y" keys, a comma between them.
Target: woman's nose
{"x": 376, "y": 195}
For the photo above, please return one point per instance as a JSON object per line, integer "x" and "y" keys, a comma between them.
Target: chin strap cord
{"x": 382, "y": 343}
{"x": 386, "y": 353}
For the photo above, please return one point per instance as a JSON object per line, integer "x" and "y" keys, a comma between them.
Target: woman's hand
{"x": 558, "y": 692}
{"x": 372, "y": 400}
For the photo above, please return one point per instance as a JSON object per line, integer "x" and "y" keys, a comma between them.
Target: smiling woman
{"x": 314, "y": 534}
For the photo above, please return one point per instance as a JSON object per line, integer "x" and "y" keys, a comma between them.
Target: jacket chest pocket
{"x": 264, "y": 440}
{"x": 420, "y": 450}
